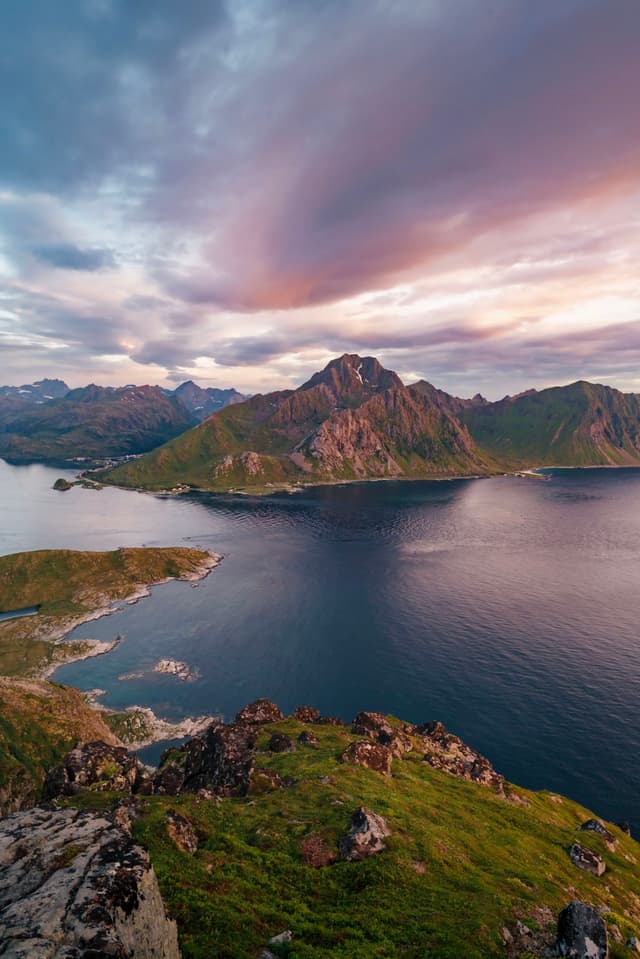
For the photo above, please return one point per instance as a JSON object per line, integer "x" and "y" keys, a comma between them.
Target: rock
{"x": 181, "y": 831}
{"x": 634, "y": 944}
{"x": 306, "y": 714}
{"x": 308, "y": 739}
{"x": 594, "y": 825}
{"x": 285, "y": 936}
{"x": 365, "y": 837}
{"x": 582, "y": 933}
{"x": 397, "y": 742}
{"x": 624, "y": 826}
{"x": 74, "y": 885}
{"x": 330, "y": 721}
{"x": 365, "y": 753}
{"x": 260, "y": 712}
{"x": 62, "y": 484}
{"x": 614, "y": 932}
{"x": 220, "y": 759}
{"x": 281, "y": 743}
{"x": 99, "y": 765}
{"x": 371, "y": 724}
{"x": 587, "y": 859}
{"x": 448, "y": 752}
{"x": 169, "y": 779}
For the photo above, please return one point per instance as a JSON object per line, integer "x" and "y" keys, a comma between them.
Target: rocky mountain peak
{"x": 351, "y": 373}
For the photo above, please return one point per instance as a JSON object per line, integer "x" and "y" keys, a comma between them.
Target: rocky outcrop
{"x": 594, "y": 825}
{"x": 306, "y": 714}
{"x": 582, "y": 933}
{"x": 366, "y": 836}
{"x": 220, "y": 759}
{"x": 100, "y": 766}
{"x": 449, "y": 753}
{"x": 73, "y": 885}
{"x": 260, "y": 712}
{"x": 368, "y": 754}
{"x": 377, "y": 726}
{"x": 587, "y": 859}
{"x": 308, "y": 739}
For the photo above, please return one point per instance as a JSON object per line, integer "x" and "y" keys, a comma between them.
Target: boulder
{"x": 281, "y": 743}
{"x": 74, "y": 884}
{"x": 260, "y": 712}
{"x": 330, "y": 721}
{"x": 306, "y": 714}
{"x": 448, "y": 752}
{"x": 366, "y": 836}
{"x": 582, "y": 933}
{"x": 100, "y": 766}
{"x": 397, "y": 742}
{"x": 181, "y": 831}
{"x": 594, "y": 825}
{"x": 368, "y": 754}
{"x": 587, "y": 859}
{"x": 220, "y": 759}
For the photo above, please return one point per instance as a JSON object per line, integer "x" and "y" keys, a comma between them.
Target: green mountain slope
{"x": 577, "y": 425}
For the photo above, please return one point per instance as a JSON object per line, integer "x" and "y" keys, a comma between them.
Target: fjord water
{"x": 507, "y": 608}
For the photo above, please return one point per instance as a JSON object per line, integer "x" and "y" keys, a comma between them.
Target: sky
{"x": 235, "y": 192}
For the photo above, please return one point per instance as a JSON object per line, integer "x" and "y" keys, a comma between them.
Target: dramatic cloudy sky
{"x": 235, "y": 192}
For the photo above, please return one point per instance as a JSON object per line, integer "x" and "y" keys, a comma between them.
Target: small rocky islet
{"x": 322, "y": 819}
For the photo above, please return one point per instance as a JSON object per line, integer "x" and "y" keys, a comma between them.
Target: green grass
{"x": 460, "y": 863}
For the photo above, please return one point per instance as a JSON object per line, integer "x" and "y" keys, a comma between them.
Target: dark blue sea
{"x": 507, "y": 608}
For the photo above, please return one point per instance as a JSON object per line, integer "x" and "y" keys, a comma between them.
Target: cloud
{"x": 69, "y": 257}
{"x": 242, "y": 189}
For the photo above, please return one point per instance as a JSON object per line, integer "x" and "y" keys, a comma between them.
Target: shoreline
{"x": 96, "y": 647}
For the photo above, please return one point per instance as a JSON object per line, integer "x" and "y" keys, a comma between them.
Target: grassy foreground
{"x": 69, "y": 586}
{"x": 460, "y": 864}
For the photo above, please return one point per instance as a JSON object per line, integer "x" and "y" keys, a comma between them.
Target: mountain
{"x": 583, "y": 424}
{"x": 352, "y": 420}
{"x": 39, "y": 392}
{"x": 202, "y": 402}
{"x": 90, "y": 423}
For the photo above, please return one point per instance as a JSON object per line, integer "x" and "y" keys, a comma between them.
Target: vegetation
{"x": 460, "y": 864}
{"x": 68, "y": 586}
{"x": 39, "y": 723}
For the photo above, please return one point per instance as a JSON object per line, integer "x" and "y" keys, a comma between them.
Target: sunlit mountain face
{"x": 236, "y": 192}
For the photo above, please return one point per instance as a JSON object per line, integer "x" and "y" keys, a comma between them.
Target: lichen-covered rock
{"x": 306, "y": 714}
{"x": 587, "y": 859}
{"x": 330, "y": 721}
{"x": 366, "y": 836}
{"x": 281, "y": 743}
{"x": 448, "y": 752}
{"x": 220, "y": 759}
{"x": 594, "y": 825}
{"x": 99, "y": 765}
{"x": 372, "y": 755}
{"x": 582, "y": 933}
{"x": 260, "y": 712}
{"x": 397, "y": 742}
{"x": 371, "y": 724}
{"x": 74, "y": 885}
{"x": 181, "y": 831}
{"x": 169, "y": 778}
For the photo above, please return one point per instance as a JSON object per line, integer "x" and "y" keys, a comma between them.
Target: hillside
{"x": 583, "y": 424}
{"x": 301, "y": 837}
{"x": 90, "y": 423}
{"x": 352, "y": 420}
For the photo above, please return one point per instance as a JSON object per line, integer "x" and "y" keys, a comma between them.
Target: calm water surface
{"x": 506, "y": 608}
